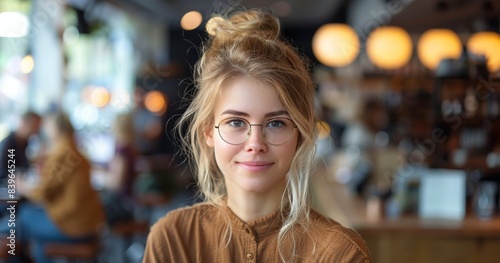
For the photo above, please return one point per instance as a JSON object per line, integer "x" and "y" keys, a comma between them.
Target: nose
{"x": 256, "y": 141}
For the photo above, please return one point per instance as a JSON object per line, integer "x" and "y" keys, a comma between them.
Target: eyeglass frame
{"x": 261, "y": 131}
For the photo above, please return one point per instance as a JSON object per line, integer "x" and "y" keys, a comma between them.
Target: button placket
{"x": 252, "y": 245}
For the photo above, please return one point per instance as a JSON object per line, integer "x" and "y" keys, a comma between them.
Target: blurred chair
{"x": 125, "y": 241}
{"x": 75, "y": 252}
{"x": 85, "y": 251}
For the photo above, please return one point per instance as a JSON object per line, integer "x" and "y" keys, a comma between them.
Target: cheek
{"x": 224, "y": 152}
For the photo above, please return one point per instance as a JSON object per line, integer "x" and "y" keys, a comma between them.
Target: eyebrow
{"x": 244, "y": 114}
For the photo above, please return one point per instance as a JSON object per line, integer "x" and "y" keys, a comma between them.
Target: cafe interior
{"x": 407, "y": 99}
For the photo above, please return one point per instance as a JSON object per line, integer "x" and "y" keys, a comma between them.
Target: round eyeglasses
{"x": 276, "y": 131}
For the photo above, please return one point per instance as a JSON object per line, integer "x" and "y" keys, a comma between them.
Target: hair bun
{"x": 251, "y": 22}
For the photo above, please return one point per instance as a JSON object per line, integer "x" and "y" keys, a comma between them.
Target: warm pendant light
{"x": 389, "y": 47}
{"x": 437, "y": 44}
{"x": 486, "y": 44}
{"x": 335, "y": 45}
{"x": 191, "y": 20}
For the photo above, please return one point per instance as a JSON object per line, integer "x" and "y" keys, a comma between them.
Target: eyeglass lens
{"x": 275, "y": 131}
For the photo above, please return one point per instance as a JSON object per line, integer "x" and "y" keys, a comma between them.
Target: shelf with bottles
{"x": 413, "y": 112}
{"x": 467, "y": 110}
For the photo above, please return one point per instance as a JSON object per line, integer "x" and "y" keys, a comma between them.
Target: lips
{"x": 255, "y": 166}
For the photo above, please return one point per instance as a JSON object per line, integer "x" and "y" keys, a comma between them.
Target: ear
{"x": 209, "y": 138}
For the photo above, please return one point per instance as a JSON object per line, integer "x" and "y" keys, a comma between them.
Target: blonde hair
{"x": 249, "y": 44}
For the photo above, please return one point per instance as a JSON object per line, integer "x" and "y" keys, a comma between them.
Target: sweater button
{"x": 249, "y": 256}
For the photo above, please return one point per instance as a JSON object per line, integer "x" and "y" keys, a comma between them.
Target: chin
{"x": 261, "y": 185}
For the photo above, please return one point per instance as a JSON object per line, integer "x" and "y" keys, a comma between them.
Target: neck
{"x": 250, "y": 206}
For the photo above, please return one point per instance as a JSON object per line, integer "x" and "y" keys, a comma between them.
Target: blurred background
{"x": 408, "y": 95}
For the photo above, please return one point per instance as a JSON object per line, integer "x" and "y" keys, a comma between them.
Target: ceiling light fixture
{"x": 191, "y": 20}
{"x": 335, "y": 45}
{"x": 437, "y": 44}
{"x": 389, "y": 47}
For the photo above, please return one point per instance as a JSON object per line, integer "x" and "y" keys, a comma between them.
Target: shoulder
{"x": 338, "y": 238}
{"x": 66, "y": 159}
{"x": 9, "y": 142}
{"x": 178, "y": 231}
{"x": 187, "y": 217}
{"x": 192, "y": 211}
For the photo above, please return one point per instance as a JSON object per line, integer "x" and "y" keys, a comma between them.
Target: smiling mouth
{"x": 255, "y": 163}
{"x": 255, "y": 166}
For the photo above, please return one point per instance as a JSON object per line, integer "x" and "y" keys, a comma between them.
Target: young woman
{"x": 251, "y": 136}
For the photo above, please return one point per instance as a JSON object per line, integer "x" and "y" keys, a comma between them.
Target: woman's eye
{"x": 276, "y": 124}
{"x": 236, "y": 123}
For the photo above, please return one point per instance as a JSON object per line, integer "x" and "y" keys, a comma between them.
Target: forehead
{"x": 247, "y": 95}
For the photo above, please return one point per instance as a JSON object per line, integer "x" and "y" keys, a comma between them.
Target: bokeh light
{"x": 155, "y": 102}
{"x": 27, "y": 64}
{"x": 335, "y": 45}
{"x": 486, "y": 44}
{"x": 13, "y": 24}
{"x": 437, "y": 44}
{"x": 120, "y": 100}
{"x": 100, "y": 97}
{"x": 389, "y": 47}
{"x": 191, "y": 20}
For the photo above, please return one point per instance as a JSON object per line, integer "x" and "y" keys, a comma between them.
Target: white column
{"x": 47, "y": 78}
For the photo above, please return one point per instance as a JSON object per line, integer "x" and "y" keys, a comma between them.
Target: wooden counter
{"x": 409, "y": 239}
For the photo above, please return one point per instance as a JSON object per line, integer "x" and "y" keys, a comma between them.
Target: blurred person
{"x": 117, "y": 195}
{"x": 63, "y": 206}
{"x": 251, "y": 138}
{"x": 18, "y": 141}
{"x": 147, "y": 125}
{"x": 154, "y": 177}
{"x": 121, "y": 167}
